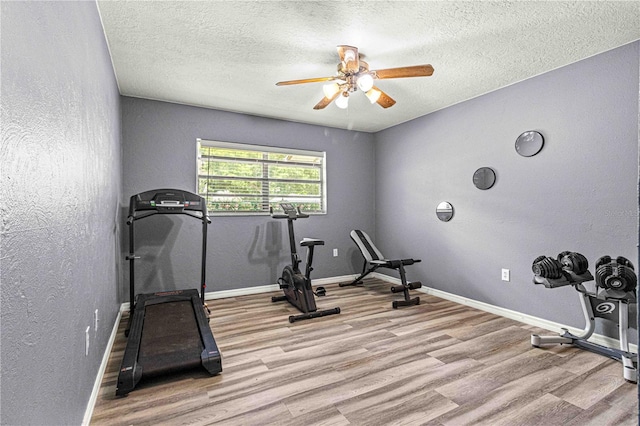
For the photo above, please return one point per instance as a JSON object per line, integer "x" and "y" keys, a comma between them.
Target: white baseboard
{"x": 333, "y": 280}
{"x": 103, "y": 367}
{"x": 224, "y": 294}
{"x": 507, "y": 313}
{"x": 514, "y": 315}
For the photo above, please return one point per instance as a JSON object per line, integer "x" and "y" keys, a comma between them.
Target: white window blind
{"x": 240, "y": 178}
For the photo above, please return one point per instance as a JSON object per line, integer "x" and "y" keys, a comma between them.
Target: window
{"x": 239, "y": 178}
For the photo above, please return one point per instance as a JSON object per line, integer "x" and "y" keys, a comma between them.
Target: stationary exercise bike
{"x": 297, "y": 287}
{"x": 615, "y": 291}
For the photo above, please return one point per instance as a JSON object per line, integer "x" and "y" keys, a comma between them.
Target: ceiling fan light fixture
{"x": 373, "y": 95}
{"x": 353, "y": 74}
{"x": 343, "y": 100}
{"x": 365, "y": 82}
{"x": 349, "y": 55}
{"x": 330, "y": 90}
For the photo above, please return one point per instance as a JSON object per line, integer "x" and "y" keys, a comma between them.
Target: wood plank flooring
{"x": 438, "y": 363}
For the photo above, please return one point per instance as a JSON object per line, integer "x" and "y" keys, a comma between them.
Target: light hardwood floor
{"x": 438, "y": 363}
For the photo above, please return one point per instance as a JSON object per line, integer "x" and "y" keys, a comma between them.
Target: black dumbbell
{"x": 547, "y": 267}
{"x": 615, "y": 274}
{"x": 574, "y": 262}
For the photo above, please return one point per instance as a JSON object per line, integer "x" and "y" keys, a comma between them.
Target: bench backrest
{"x": 369, "y": 251}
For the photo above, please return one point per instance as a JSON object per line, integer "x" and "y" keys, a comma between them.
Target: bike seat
{"x": 306, "y": 242}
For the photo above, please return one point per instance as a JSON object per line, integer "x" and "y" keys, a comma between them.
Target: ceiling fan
{"x": 354, "y": 74}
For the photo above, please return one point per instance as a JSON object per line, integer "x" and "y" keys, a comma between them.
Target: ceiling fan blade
{"x": 349, "y": 56}
{"x": 306, "y": 80}
{"x": 326, "y": 101}
{"x": 401, "y": 72}
{"x": 384, "y": 100}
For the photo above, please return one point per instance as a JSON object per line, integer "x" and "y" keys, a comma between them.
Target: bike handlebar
{"x": 290, "y": 212}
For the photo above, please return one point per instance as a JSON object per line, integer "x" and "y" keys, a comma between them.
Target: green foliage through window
{"x": 237, "y": 178}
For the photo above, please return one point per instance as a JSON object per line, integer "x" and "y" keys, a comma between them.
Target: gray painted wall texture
{"x": 65, "y": 185}
{"x": 60, "y": 183}
{"x": 159, "y": 142}
{"x": 579, "y": 193}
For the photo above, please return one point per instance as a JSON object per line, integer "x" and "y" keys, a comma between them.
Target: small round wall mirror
{"x": 484, "y": 178}
{"x": 529, "y": 143}
{"x": 444, "y": 211}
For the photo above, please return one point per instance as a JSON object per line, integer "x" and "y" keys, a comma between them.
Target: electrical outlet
{"x": 335, "y": 252}
{"x": 86, "y": 341}
{"x": 95, "y": 321}
{"x": 505, "y": 275}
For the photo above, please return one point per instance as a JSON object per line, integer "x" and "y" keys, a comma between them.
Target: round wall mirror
{"x": 444, "y": 211}
{"x": 529, "y": 143}
{"x": 484, "y": 178}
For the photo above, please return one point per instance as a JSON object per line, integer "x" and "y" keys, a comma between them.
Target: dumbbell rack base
{"x": 605, "y": 308}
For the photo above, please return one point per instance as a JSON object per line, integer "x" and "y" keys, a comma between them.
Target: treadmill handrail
{"x": 162, "y": 201}
{"x": 199, "y": 216}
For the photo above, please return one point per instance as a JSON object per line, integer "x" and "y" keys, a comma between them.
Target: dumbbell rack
{"x": 609, "y": 305}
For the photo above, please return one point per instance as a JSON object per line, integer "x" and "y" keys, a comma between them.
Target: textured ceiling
{"x": 228, "y": 55}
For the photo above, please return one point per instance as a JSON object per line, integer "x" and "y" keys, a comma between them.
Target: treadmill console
{"x": 167, "y": 201}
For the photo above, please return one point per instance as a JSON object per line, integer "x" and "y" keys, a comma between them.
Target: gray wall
{"x": 579, "y": 193}
{"x": 62, "y": 196}
{"x": 159, "y": 142}
{"x": 60, "y": 182}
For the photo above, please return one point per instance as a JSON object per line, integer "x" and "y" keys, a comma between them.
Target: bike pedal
{"x": 282, "y": 284}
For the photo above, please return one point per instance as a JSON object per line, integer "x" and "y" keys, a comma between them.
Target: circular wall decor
{"x": 484, "y": 178}
{"x": 444, "y": 211}
{"x": 529, "y": 143}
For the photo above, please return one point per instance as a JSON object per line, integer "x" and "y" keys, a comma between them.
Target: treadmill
{"x": 167, "y": 331}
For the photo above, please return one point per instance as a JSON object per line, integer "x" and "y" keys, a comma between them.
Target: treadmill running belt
{"x": 170, "y": 338}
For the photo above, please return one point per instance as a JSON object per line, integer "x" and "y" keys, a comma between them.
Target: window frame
{"x": 263, "y": 149}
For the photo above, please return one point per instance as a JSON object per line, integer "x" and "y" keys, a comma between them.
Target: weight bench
{"x": 373, "y": 259}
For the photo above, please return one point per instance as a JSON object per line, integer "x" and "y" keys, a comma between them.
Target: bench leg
{"x": 404, "y": 288}
{"x": 362, "y": 275}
